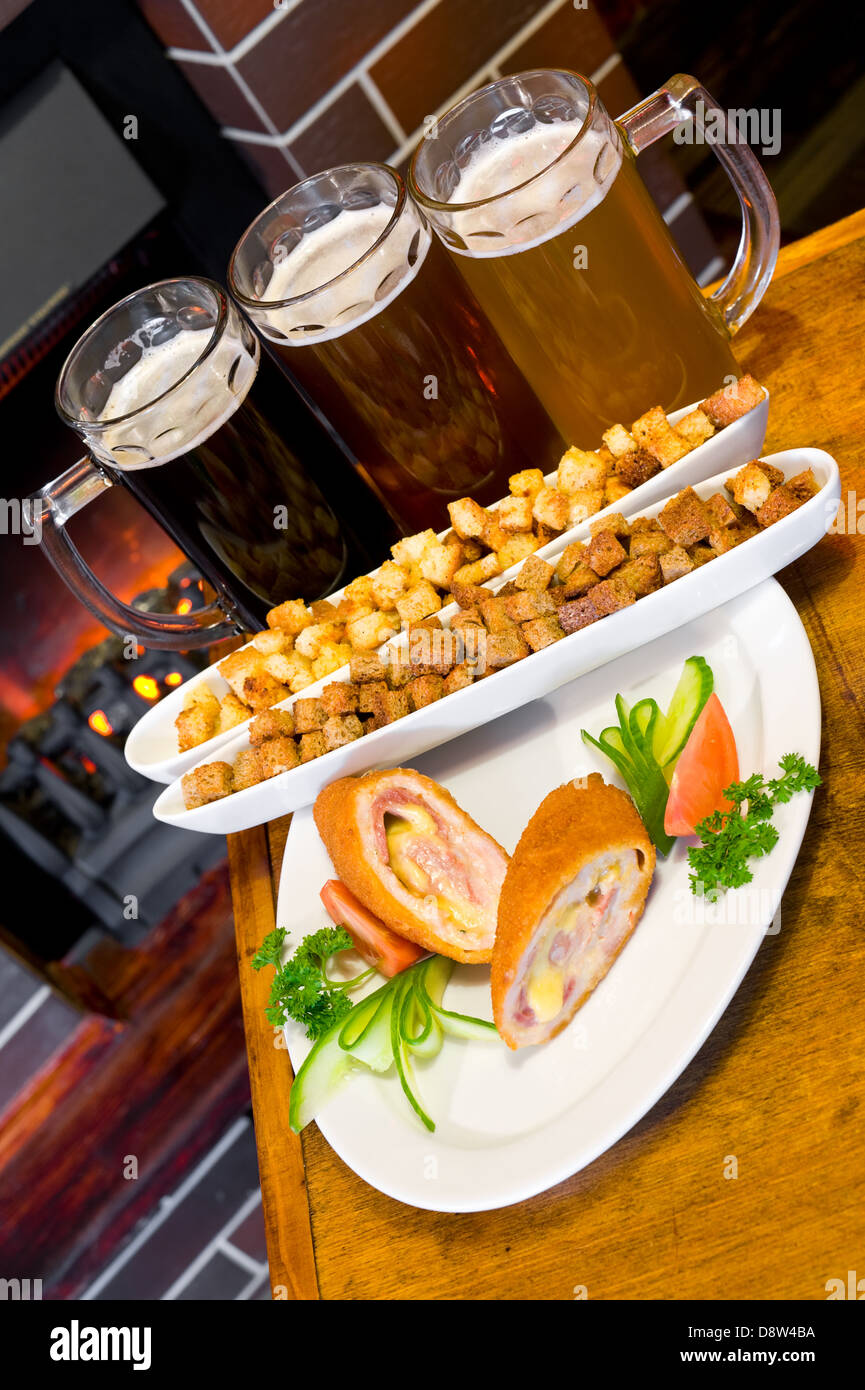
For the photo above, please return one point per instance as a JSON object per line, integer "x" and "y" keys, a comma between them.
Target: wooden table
{"x": 779, "y": 1084}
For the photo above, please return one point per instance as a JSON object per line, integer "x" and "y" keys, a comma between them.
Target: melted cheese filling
{"x": 401, "y": 833}
{"x": 545, "y": 984}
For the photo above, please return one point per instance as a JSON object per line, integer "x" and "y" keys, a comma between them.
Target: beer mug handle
{"x": 60, "y": 500}
{"x": 681, "y": 100}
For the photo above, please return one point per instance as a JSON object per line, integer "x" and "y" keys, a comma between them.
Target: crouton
{"x": 399, "y": 668}
{"x": 550, "y": 508}
{"x": 468, "y": 518}
{"x": 684, "y": 518}
{"x": 332, "y": 658}
{"x": 528, "y": 483}
{"x": 720, "y": 511}
{"x": 367, "y": 666}
{"x": 409, "y": 550}
{"x": 457, "y": 679}
{"x": 263, "y": 690}
{"x": 578, "y": 613}
{"x": 609, "y": 596}
{"x": 579, "y": 581}
{"x": 366, "y": 633}
{"x": 204, "y": 784}
{"x": 309, "y": 715}
{"x": 231, "y": 713}
{"x": 238, "y": 665}
{"x": 724, "y": 538}
{"x": 804, "y": 485}
{"x": 495, "y": 614}
{"x": 394, "y": 705}
{"x": 614, "y": 490}
{"x": 293, "y": 669}
{"x": 485, "y": 568}
{"x": 389, "y": 584}
{"x": 516, "y": 549}
{"x": 636, "y": 468}
{"x": 579, "y": 471}
{"x": 570, "y": 557}
{"x": 750, "y": 486}
{"x": 582, "y": 505}
{"x": 604, "y": 552}
{"x": 310, "y": 641}
{"x": 654, "y": 433}
{"x": 370, "y": 696}
{"x": 524, "y": 605}
{"x": 274, "y": 640}
{"x": 439, "y": 563}
{"x": 424, "y": 690}
{"x": 542, "y": 632}
{"x": 323, "y": 610}
{"x": 359, "y": 594}
{"x": 619, "y": 441}
{"x": 780, "y": 503}
{"x": 695, "y": 428}
{"x": 613, "y": 522}
{"x": 247, "y": 769}
{"x": 504, "y": 648}
{"x": 468, "y": 595}
{"x": 418, "y": 602}
{"x": 674, "y": 563}
{"x": 311, "y": 746}
{"x": 472, "y": 550}
{"x": 341, "y": 729}
{"x": 434, "y": 651}
{"x": 515, "y": 514}
{"x": 734, "y": 401}
{"x": 466, "y": 617}
{"x": 642, "y": 574}
{"x": 196, "y": 725}
{"x": 535, "y": 574}
{"x": 648, "y": 543}
{"x": 273, "y": 723}
{"x": 700, "y": 554}
{"x": 291, "y": 617}
{"x": 278, "y": 755}
{"x": 340, "y": 697}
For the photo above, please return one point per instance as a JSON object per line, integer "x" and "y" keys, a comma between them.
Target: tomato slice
{"x": 379, "y": 946}
{"x": 707, "y": 764}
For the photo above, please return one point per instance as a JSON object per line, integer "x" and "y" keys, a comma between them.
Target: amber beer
{"x": 352, "y": 293}
{"x": 554, "y": 231}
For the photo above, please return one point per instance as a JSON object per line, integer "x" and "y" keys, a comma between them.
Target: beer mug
{"x": 169, "y": 395}
{"x": 534, "y": 190}
{"x": 352, "y": 294}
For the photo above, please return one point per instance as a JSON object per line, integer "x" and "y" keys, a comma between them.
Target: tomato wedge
{"x": 379, "y": 946}
{"x": 707, "y": 764}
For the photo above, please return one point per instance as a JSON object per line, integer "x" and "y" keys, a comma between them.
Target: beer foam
{"x": 554, "y": 201}
{"x": 324, "y": 255}
{"x": 195, "y": 409}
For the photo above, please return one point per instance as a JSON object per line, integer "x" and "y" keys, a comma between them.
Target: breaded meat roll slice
{"x": 413, "y": 857}
{"x": 574, "y": 891}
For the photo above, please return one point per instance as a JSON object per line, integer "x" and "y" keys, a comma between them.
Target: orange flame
{"x": 184, "y": 605}
{"x": 146, "y": 687}
{"x": 99, "y": 723}
{"x": 173, "y": 678}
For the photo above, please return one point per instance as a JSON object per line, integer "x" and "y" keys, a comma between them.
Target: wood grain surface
{"x": 779, "y": 1085}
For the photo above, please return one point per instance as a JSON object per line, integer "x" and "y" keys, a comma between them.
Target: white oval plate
{"x": 509, "y": 1125}
{"x": 540, "y": 672}
{"x": 151, "y": 746}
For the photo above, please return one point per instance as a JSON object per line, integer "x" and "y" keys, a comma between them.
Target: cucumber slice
{"x": 401, "y": 1057}
{"x": 325, "y": 1066}
{"x": 373, "y": 1048}
{"x": 433, "y": 977}
{"x": 672, "y": 729}
{"x": 418, "y": 1026}
{"x": 465, "y": 1026}
{"x": 642, "y": 722}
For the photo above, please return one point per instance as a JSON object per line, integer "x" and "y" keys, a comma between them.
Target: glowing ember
{"x": 146, "y": 687}
{"x": 173, "y": 678}
{"x": 184, "y": 605}
{"x": 88, "y": 764}
{"x": 99, "y": 723}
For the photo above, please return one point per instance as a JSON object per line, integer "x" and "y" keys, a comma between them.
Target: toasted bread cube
{"x": 700, "y": 554}
{"x": 614, "y": 490}
{"x": 424, "y": 690}
{"x": 472, "y": 550}
{"x": 278, "y": 755}
{"x": 470, "y": 617}
{"x": 238, "y": 665}
{"x": 473, "y": 642}
{"x": 395, "y": 705}
{"x": 528, "y": 483}
{"x": 504, "y": 648}
{"x": 366, "y": 633}
{"x": 474, "y": 574}
{"x": 419, "y": 602}
{"x": 642, "y": 574}
{"x": 291, "y": 617}
{"x": 604, "y": 552}
{"x": 247, "y": 769}
{"x": 550, "y": 508}
{"x": 526, "y": 604}
{"x": 570, "y": 557}
{"x": 273, "y": 640}
{"x": 370, "y": 696}
{"x": 578, "y": 613}
{"x": 340, "y": 730}
{"x": 648, "y": 543}
{"x": 201, "y": 695}
{"x": 655, "y": 433}
{"x": 582, "y": 505}
{"x": 780, "y": 503}
{"x": 331, "y": 659}
{"x": 391, "y": 581}
{"x": 439, "y": 563}
{"x": 579, "y": 581}
{"x": 262, "y": 691}
{"x": 468, "y": 518}
{"x": 317, "y": 635}
{"x": 613, "y": 522}
{"x": 204, "y": 784}
{"x": 231, "y": 712}
{"x": 196, "y": 725}
{"x": 323, "y": 610}
{"x": 733, "y": 401}
{"x": 360, "y": 593}
{"x": 312, "y": 746}
{"x": 309, "y": 715}
{"x": 273, "y": 723}
{"x": 399, "y": 668}
{"x": 580, "y": 471}
{"x": 515, "y": 514}
{"x": 674, "y": 563}
{"x": 367, "y": 666}
{"x": 609, "y": 596}
{"x": 535, "y": 574}
{"x": 518, "y": 548}
{"x": 804, "y": 485}
{"x": 457, "y": 679}
{"x": 434, "y": 651}
{"x": 695, "y": 428}
{"x": 408, "y": 551}
{"x": 684, "y": 519}
{"x": 619, "y": 441}
{"x": 636, "y": 468}
{"x": 750, "y": 486}
{"x": 468, "y": 595}
{"x": 542, "y": 632}
{"x": 644, "y": 525}
{"x": 724, "y": 538}
{"x": 720, "y": 511}
{"x": 495, "y": 615}
{"x": 340, "y": 697}
{"x": 291, "y": 668}
{"x": 775, "y": 475}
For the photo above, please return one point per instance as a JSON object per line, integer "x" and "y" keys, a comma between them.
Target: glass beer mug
{"x": 168, "y": 392}
{"x": 534, "y": 189}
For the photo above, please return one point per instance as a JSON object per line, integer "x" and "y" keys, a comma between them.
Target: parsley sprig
{"x": 301, "y": 989}
{"x": 731, "y": 838}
